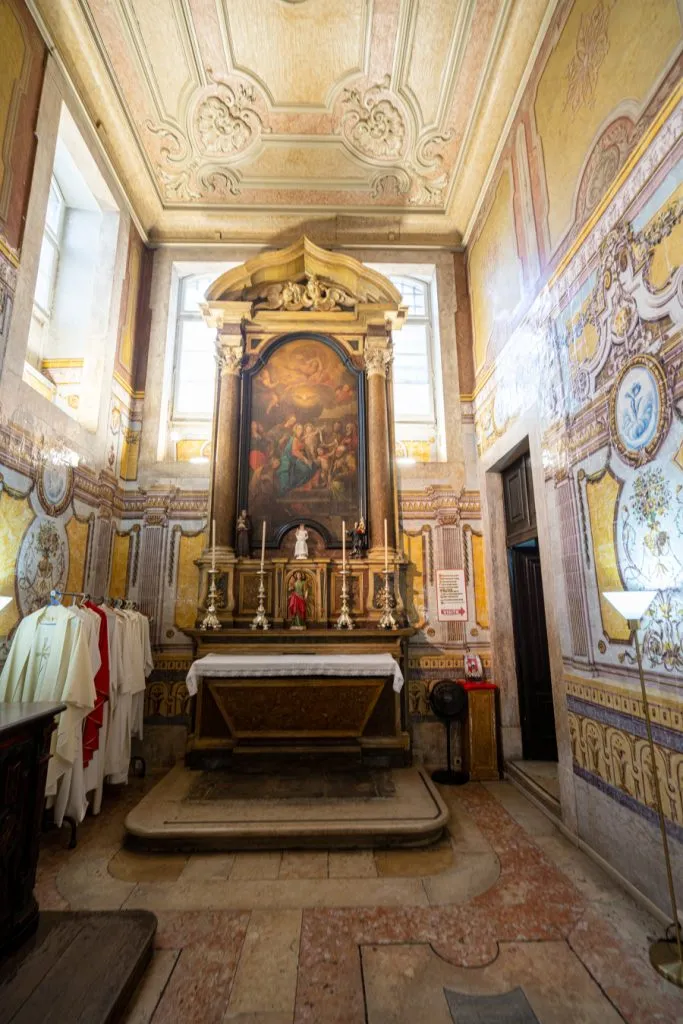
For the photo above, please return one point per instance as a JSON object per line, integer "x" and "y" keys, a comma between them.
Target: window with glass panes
{"x": 49, "y": 250}
{"x": 194, "y": 370}
{"x": 413, "y": 375}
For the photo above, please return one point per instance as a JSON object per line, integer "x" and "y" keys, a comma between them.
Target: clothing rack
{"x": 55, "y": 598}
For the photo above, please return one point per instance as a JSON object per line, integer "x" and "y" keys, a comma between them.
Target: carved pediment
{"x": 313, "y": 293}
{"x": 305, "y": 278}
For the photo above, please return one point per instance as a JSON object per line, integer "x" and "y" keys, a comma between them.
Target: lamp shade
{"x": 4, "y": 601}
{"x": 632, "y": 604}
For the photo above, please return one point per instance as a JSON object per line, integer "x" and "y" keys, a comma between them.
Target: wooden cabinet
{"x": 481, "y": 747}
{"x": 25, "y": 731}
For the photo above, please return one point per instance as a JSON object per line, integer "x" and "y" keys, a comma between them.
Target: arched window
{"x": 416, "y": 372}
{"x": 194, "y": 367}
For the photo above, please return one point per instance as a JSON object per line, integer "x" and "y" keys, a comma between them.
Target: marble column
{"x": 229, "y": 355}
{"x": 380, "y": 490}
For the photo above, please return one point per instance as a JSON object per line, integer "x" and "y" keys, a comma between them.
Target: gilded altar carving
{"x": 313, "y": 294}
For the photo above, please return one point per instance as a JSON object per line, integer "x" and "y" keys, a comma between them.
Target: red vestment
{"x": 93, "y": 723}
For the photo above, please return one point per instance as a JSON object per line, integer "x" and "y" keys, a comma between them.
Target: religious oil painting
{"x": 304, "y": 448}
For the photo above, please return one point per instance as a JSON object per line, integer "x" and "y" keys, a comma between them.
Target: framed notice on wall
{"x": 451, "y": 596}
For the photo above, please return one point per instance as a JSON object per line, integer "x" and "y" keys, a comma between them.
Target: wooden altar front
{"x": 303, "y": 434}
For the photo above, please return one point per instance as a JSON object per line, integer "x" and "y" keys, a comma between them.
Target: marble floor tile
{"x": 303, "y": 864}
{"x": 256, "y": 865}
{"x": 521, "y": 810}
{"x": 265, "y": 982}
{"x": 240, "y": 938}
{"x": 417, "y": 863}
{"x": 207, "y": 867}
{"x": 406, "y": 984}
{"x": 131, "y": 866}
{"x": 471, "y": 875}
{"x": 587, "y": 876}
{"x": 352, "y": 864}
{"x": 284, "y": 895}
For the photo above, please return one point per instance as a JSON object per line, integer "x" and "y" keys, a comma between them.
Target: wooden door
{"x": 533, "y": 662}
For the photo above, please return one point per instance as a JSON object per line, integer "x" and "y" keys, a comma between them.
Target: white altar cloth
{"x": 235, "y": 665}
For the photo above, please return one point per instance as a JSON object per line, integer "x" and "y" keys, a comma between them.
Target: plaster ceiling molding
{"x": 257, "y": 118}
{"x": 224, "y": 120}
{"x": 379, "y": 127}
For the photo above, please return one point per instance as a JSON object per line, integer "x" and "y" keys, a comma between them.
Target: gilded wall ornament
{"x": 639, "y": 411}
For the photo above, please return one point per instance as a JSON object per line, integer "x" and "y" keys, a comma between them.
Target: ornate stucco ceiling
{"x": 255, "y": 119}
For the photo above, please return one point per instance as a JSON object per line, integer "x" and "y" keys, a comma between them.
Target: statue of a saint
{"x": 296, "y": 601}
{"x": 243, "y": 534}
{"x": 359, "y": 537}
{"x": 301, "y": 547}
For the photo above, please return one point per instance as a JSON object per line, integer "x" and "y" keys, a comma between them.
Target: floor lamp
{"x": 665, "y": 956}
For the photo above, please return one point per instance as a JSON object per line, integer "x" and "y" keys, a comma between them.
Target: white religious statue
{"x": 301, "y": 547}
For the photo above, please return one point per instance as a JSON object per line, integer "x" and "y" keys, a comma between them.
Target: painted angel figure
{"x": 301, "y": 546}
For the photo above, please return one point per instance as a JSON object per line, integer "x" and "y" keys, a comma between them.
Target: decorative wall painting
{"x": 303, "y": 458}
{"x": 639, "y": 411}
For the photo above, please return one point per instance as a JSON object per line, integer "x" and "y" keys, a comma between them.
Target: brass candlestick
{"x": 261, "y": 619}
{"x": 387, "y": 620}
{"x": 211, "y": 620}
{"x": 344, "y": 621}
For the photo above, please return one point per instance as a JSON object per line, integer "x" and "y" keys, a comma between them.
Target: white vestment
{"x": 49, "y": 660}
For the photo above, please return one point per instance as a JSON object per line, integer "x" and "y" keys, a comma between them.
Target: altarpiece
{"x": 302, "y": 437}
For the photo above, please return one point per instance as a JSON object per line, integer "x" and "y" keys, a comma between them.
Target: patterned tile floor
{"x": 506, "y": 910}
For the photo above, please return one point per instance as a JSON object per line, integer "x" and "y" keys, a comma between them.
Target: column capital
{"x": 229, "y": 354}
{"x": 378, "y": 356}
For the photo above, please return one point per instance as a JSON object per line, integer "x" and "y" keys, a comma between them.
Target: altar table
{"x": 267, "y": 703}
{"x": 237, "y": 665}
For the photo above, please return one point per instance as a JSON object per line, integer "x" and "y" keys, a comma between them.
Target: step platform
{"x": 76, "y": 967}
{"x": 297, "y": 806}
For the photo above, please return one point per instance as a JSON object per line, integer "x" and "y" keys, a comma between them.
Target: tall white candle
{"x": 263, "y": 544}
{"x": 343, "y": 545}
{"x": 386, "y": 548}
{"x": 213, "y": 544}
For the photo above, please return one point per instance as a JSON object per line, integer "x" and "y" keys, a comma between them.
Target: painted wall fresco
{"x": 597, "y": 359}
{"x": 603, "y": 71}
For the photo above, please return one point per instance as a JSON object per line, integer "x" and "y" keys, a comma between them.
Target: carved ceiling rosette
{"x": 380, "y": 127}
{"x": 223, "y": 121}
{"x": 373, "y": 122}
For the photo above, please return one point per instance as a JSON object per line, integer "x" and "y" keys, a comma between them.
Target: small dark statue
{"x": 244, "y": 534}
{"x": 359, "y": 539}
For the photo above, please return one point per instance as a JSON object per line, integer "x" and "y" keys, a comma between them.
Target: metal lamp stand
{"x": 666, "y": 956}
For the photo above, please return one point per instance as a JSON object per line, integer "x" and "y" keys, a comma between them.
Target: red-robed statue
{"x": 296, "y": 601}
